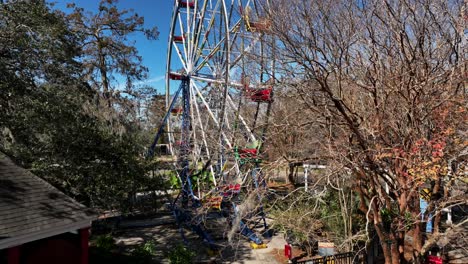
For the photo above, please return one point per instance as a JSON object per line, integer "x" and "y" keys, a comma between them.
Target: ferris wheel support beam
{"x": 169, "y": 55}
{"x": 222, "y": 137}
{"x": 185, "y": 144}
{"x": 228, "y": 142}
{"x": 196, "y": 153}
{"x": 163, "y": 123}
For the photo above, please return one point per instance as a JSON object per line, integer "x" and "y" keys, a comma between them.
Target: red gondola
{"x": 261, "y": 95}
{"x": 231, "y": 189}
{"x": 248, "y": 153}
{"x": 177, "y": 110}
{"x": 184, "y": 4}
{"x": 175, "y": 76}
{"x": 257, "y": 95}
{"x": 178, "y": 39}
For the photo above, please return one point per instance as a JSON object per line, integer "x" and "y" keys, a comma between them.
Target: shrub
{"x": 181, "y": 255}
{"x": 105, "y": 242}
{"x": 143, "y": 254}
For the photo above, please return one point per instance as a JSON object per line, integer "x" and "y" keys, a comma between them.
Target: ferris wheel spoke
{"x": 215, "y": 49}
{"x": 232, "y": 9}
{"x": 184, "y": 38}
{"x": 179, "y": 54}
{"x": 226, "y": 117}
{"x": 241, "y": 118}
{"x": 211, "y": 114}
{"x": 200, "y": 95}
{"x": 245, "y": 51}
{"x": 202, "y": 131}
{"x": 188, "y": 36}
{"x": 208, "y": 29}
{"x": 198, "y": 25}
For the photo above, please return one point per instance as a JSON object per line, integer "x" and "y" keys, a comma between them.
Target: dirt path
{"x": 166, "y": 237}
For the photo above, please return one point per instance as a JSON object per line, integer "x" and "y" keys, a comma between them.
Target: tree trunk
{"x": 103, "y": 72}
{"x": 292, "y": 168}
{"x": 389, "y": 242}
{"x": 417, "y": 240}
{"x": 105, "y": 81}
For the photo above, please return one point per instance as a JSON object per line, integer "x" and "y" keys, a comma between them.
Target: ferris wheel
{"x": 219, "y": 88}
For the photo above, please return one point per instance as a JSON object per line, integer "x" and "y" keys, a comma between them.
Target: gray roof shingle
{"x": 29, "y": 204}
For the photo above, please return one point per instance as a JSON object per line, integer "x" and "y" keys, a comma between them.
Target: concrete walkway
{"x": 265, "y": 255}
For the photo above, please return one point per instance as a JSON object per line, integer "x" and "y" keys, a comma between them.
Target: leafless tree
{"x": 389, "y": 79}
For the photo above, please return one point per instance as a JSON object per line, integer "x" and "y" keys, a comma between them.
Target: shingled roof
{"x": 32, "y": 209}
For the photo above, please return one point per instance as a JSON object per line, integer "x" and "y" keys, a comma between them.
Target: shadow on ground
{"x": 167, "y": 237}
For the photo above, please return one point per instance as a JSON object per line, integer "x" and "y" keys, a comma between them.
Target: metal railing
{"x": 342, "y": 258}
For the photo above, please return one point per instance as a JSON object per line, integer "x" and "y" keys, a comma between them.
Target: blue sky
{"x": 156, "y": 13}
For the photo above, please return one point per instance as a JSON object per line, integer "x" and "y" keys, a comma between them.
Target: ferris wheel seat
{"x": 184, "y": 4}
{"x": 178, "y": 39}
{"x": 231, "y": 189}
{"x": 213, "y": 202}
{"x": 248, "y": 153}
{"x": 177, "y": 110}
{"x": 262, "y": 95}
{"x": 261, "y": 25}
{"x": 175, "y": 76}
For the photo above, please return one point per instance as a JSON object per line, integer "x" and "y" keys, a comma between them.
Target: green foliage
{"x": 150, "y": 247}
{"x": 107, "y": 51}
{"x": 205, "y": 179}
{"x": 408, "y": 221}
{"x": 49, "y": 119}
{"x": 181, "y": 255}
{"x": 143, "y": 254}
{"x": 331, "y": 214}
{"x": 105, "y": 242}
{"x": 174, "y": 181}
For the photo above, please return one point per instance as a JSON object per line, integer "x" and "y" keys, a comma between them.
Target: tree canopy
{"x": 106, "y": 48}
{"x": 48, "y": 116}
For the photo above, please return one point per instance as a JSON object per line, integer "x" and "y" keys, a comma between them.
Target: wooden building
{"x": 38, "y": 223}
